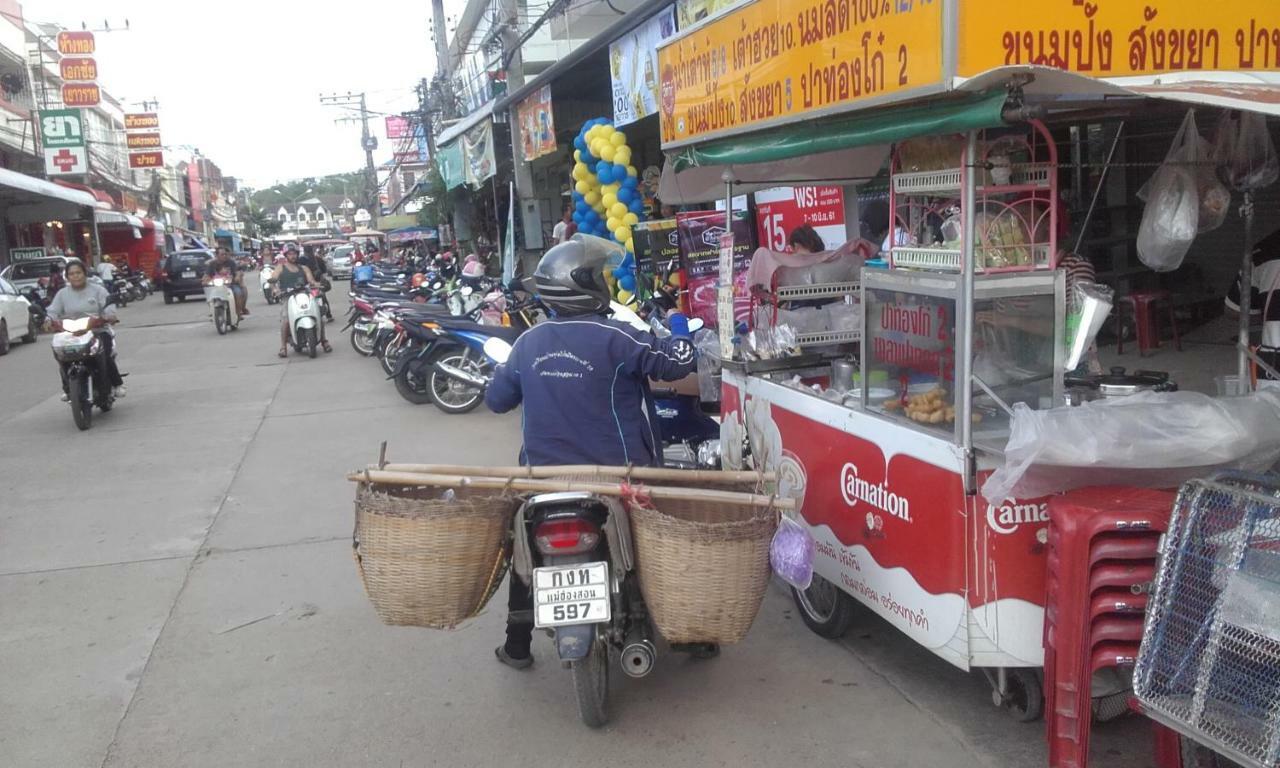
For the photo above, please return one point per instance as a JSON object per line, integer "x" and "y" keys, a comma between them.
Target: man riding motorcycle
{"x": 223, "y": 265}
{"x": 290, "y": 274}
{"x": 584, "y": 381}
{"x": 81, "y": 298}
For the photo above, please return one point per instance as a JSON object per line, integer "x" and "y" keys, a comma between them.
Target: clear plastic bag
{"x": 1170, "y": 220}
{"x": 707, "y": 342}
{"x": 791, "y": 554}
{"x": 1191, "y": 151}
{"x": 1149, "y": 439}
{"x": 1244, "y": 152}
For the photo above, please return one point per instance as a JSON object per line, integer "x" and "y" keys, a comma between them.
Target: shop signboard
{"x": 774, "y": 61}
{"x": 537, "y": 124}
{"x": 19, "y": 255}
{"x": 691, "y": 12}
{"x": 150, "y": 140}
{"x": 76, "y": 43}
{"x": 78, "y": 69}
{"x": 1119, "y": 39}
{"x": 141, "y": 121}
{"x": 780, "y": 210}
{"x": 146, "y": 159}
{"x": 656, "y": 244}
{"x": 397, "y": 127}
{"x": 81, "y": 95}
{"x": 61, "y": 128}
{"x": 477, "y": 149}
{"x": 699, "y": 235}
{"x": 633, "y": 67}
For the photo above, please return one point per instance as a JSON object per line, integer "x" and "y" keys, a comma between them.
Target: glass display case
{"x": 912, "y": 349}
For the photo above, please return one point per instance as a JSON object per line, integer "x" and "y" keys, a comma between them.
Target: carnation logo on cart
{"x": 1007, "y": 517}
{"x": 854, "y": 489}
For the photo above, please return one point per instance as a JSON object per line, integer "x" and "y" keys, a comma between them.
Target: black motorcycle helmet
{"x": 569, "y": 278}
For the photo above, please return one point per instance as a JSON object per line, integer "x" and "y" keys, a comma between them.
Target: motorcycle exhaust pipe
{"x": 454, "y": 372}
{"x": 638, "y": 657}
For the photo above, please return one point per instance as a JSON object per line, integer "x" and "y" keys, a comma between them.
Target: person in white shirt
{"x": 107, "y": 270}
{"x": 564, "y": 228}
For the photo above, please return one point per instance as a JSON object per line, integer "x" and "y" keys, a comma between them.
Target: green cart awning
{"x": 880, "y": 127}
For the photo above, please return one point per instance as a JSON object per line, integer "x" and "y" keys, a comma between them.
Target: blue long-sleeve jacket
{"x": 584, "y": 383}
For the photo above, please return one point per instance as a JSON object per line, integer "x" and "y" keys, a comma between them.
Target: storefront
{"x": 37, "y": 214}
{"x": 886, "y": 419}
{"x": 133, "y": 240}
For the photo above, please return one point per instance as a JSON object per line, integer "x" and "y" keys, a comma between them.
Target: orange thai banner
{"x": 146, "y": 159}
{"x": 76, "y": 43}
{"x": 1119, "y": 38}
{"x": 142, "y": 140}
{"x": 81, "y": 95}
{"x": 774, "y": 60}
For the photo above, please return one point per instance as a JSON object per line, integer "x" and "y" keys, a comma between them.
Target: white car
{"x": 16, "y": 323}
{"x": 339, "y": 262}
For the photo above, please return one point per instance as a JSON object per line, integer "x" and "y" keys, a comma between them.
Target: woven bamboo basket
{"x": 703, "y": 566}
{"x": 430, "y": 562}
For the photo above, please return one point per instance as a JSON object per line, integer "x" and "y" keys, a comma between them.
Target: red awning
{"x": 104, "y": 200}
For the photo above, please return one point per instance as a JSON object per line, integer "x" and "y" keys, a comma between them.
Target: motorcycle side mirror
{"x": 498, "y": 350}
{"x": 466, "y": 290}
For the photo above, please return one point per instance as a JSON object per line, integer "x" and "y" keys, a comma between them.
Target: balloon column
{"x": 606, "y": 199}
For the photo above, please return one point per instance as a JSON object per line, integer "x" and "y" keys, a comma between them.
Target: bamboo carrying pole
{"x": 386, "y": 477}
{"x": 639, "y": 473}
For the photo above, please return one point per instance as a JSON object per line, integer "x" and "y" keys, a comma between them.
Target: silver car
{"x": 28, "y": 274}
{"x": 339, "y": 261}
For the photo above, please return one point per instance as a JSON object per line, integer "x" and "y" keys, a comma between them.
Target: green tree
{"x": 437, "y": 209}
{"x": 260, "y": 223}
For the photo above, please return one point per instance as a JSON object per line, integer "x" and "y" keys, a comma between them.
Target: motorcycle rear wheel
{"x": 413, "y": 381}
{"x": 450, "y": 395}
{"x": 81, "y": 402}
{"x": 591, "y": 685}
{"x": 391, "y": 355}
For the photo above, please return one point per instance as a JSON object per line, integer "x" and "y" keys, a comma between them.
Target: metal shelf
{"x": 827, "y": 338}
{"x": 925, "y": 258}
{"x": 815, "y": 291}
{"x": 1022, "y": 177}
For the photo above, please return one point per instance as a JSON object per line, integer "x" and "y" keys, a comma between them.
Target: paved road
{"x": 177, "y": 589}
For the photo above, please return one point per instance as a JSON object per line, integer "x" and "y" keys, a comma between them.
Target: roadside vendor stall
{"x": 885, "y": 431}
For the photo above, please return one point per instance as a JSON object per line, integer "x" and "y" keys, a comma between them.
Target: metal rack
{"x": 817, "y": 291}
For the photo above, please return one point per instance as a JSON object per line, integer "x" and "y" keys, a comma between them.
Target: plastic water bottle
{"x": 448, "y": 495}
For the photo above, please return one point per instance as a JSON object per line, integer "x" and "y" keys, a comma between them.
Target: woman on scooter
{"x": 288, "y": 276}
{"x": 81, "y": 298}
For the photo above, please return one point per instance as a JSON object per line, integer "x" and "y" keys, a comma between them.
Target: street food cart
{"x": 887, "y": 467}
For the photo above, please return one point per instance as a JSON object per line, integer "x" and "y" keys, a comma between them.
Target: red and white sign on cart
{"x": 780, "y": 210}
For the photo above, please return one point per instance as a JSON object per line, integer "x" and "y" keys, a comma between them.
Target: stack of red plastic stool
{"x": 1102, "y": 553}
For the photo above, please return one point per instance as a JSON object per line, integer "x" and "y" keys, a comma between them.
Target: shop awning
{"x": 465, "y": 124}
{"x": 1256, "y": 91}
{"x": 109, "y": 218}
{"x": 26, "y": 199}
{"x": 223, "y": 233}
{"x": 408, "y": 234}
{"x": 883, "y": 126}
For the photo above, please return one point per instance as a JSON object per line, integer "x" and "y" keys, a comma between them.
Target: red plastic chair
{"x": 1143, "y": 306}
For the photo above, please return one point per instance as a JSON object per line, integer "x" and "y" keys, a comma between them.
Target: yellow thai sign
{"x": 772, "y": 60}
{"x": 1119, "y": 38}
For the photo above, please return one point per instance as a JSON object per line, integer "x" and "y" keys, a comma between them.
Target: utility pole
{"x": 510, "y": 33}
{"x": 368, "y": 142}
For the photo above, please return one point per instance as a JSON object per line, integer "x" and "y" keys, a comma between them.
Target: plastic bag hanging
{"x": 1191, "y": 151}
{"x": 1172, "y": 215}
{"x": 1244, "y": 152}
{"x": 791, "y": 554}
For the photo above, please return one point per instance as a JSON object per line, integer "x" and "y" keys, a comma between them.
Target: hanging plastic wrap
{"x": 1149, "y": 439}
{"x": 1171, "y": 218}
{"x": 1244, "y": 152}
{"x": 791, "y": 554}
{"x": 707, "y": 342}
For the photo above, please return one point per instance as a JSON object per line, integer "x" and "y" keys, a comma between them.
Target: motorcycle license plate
{"x": 565, "y": 595}
{"x": 188, "y": 273}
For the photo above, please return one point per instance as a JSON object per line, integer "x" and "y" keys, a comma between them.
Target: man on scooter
{"x": 222, "y": 265}
{"x": 583, "y": 379}
{"x": 289, "y": 275}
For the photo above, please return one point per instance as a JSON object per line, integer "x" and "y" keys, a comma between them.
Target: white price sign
{"x": 724, "y": 320}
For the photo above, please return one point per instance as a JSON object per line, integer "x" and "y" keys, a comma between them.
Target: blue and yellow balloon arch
{"x": 606, "y": 197}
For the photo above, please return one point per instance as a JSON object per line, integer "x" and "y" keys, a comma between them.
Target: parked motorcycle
{"x": 461, "y": 374}
{"x": 36, "y": 304}
{"x": 303, "y": 313}
{"x": 79, "y": 351}
{"x": 222, "y": 303}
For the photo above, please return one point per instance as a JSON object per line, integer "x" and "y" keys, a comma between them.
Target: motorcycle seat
{"x": 506, "y": 333}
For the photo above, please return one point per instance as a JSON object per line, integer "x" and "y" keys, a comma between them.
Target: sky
{"x": 241, "y": 79}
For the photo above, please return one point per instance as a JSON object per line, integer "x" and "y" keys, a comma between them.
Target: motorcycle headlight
{"x": 709, "y": 454}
